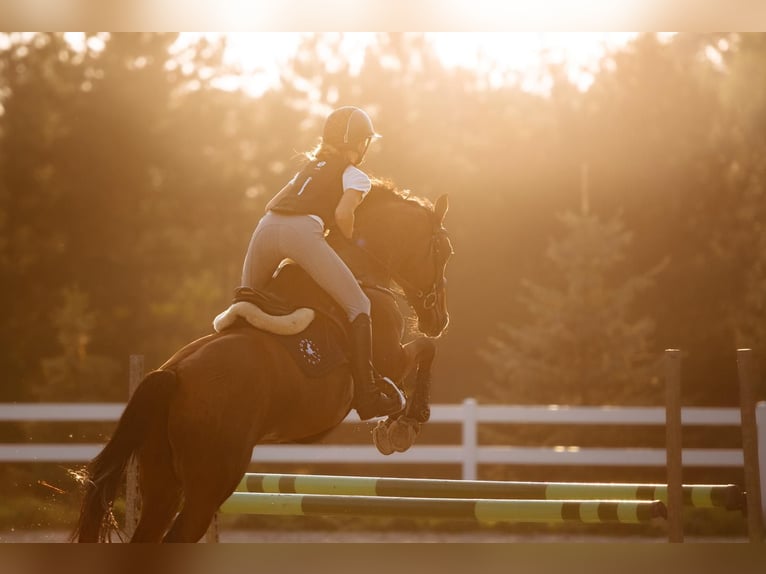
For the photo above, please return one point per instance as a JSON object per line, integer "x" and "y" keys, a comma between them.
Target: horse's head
{"x": 409, "y": 238}
{"x": 422, "y": 271}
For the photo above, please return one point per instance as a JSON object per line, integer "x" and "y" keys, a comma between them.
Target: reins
{"x": 428, "y": 298}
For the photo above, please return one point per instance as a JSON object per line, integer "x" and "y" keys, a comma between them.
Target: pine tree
{"x": 742, "y": 245}
{"x": 581, "y": 345}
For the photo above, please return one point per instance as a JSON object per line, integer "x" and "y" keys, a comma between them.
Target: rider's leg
{"x": 263, "y": 253}
{"x": 310, "y": 250}
{"x": 369, "y": 401}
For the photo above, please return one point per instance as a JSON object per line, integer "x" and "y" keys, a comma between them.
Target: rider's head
{"x": 349, "y": 130}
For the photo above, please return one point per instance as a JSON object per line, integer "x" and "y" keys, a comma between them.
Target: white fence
{"x": 469, "y": 453}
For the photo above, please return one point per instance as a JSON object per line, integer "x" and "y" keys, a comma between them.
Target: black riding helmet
{"x": 347, "y": 127}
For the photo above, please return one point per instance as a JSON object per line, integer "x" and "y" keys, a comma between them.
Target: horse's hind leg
{"x": 156, "y": 515}
{"x": 205, "y": 488}
{"x": 160, "y": 492}
{"x": 194, "y": 519}
{"x": 200, "y": 506}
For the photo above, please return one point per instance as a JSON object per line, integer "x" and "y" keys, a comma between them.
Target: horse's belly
{"x": 307, "y": 407}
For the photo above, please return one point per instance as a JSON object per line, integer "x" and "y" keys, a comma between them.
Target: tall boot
{"x": 369, "y": 400}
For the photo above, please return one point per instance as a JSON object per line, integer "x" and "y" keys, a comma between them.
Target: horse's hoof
{"x": 382, "y": 439}
{"x": 403, "y": 432}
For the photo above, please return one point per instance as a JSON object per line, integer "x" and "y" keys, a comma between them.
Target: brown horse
{"x": 193, "y": 423}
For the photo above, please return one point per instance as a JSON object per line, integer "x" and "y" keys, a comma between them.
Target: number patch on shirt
{"x": 303, "y": 187}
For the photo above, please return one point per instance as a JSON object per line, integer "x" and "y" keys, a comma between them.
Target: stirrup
{"x": 368, "y": 405}
{"x": 391, "y": 390}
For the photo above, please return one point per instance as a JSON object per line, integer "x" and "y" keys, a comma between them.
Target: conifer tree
{"x": 581, "y": 344}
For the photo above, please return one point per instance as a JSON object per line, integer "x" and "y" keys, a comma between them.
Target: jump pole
{"x": 727, "y": 496}
{"x": 483, "y": 511}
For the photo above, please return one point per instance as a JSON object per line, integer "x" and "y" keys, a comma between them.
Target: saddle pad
{"x": 318, "y": 349}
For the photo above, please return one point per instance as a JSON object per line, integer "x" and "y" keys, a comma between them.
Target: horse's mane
{"x": 385, "y": 190}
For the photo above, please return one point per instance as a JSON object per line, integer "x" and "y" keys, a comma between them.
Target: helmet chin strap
{"x": 360, "y": 153}
{"x": 365, "y": 148}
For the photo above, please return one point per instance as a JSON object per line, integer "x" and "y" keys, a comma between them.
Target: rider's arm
{"x": 356, "y": 184}
{"x": 344, "y": 212}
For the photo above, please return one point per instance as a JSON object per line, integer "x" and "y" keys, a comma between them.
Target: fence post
{"x": 470, "y": 441}
{"x": 674, "y": 444}
{"x": 212, "y": 535}
{"x": 132, "y": 498}
{"x": 747, "y": 377}
{"x": 760, "y": 423}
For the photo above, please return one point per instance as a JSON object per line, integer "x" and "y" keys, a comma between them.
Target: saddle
{"x": 317, "y": 340}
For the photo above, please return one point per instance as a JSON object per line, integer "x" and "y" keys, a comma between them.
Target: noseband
{"x": 428, "y": 299}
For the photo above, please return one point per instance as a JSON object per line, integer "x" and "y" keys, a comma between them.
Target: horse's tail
{"x": 104, "y": 474}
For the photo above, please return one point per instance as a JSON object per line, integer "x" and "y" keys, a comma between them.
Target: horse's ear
{"x": 440, "y": 208}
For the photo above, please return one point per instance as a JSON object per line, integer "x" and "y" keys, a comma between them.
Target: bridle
{"x": 426, "y": 298}
{"x": 429, "y": 298}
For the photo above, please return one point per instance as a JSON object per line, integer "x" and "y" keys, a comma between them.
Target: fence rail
{"x": 420, "y": 454}
{"x": 469, "y": 453}
{"x": 442, "y": 413}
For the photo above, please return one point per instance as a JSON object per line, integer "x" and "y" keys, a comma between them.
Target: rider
{"x": 324, "y": 194}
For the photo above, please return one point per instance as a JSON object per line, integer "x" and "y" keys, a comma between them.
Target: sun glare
{"x": 523, "y": 55}
{"x": 518, "y": 57}
{"x": 260, "y": 57}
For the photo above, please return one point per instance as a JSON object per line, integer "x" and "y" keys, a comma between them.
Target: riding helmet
{"x": 347, "y": 127}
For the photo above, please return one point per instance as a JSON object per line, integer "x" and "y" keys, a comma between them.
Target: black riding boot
{"x": 369, "y": 400}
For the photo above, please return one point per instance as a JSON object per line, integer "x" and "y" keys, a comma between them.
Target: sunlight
{"x": 263, "y": 55}
{"x": 264, "y": 50}
{"x": 259, "y": 57}
{"x": 525, "y": 54}
{"x": 519, "y": 57}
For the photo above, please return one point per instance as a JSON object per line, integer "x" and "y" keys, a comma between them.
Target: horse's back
{"x": 187, "y": 350}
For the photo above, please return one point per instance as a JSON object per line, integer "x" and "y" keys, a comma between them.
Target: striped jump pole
{"x": 484, "y": 511}
{"x": 728, "y": 496}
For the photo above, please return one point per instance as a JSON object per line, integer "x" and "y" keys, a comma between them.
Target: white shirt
{"x": 355, "y": 178}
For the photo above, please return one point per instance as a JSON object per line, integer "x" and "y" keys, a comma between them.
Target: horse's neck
{"x": 385, "y": 230}
{"x": 369, "y": 268}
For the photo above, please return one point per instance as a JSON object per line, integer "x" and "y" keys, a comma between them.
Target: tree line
{"x": 592, "y": 229}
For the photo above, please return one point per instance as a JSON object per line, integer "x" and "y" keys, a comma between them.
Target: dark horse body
{"x": 193, "y": 423}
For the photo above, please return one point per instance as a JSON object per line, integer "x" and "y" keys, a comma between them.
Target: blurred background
{"x": 607, "y": 198}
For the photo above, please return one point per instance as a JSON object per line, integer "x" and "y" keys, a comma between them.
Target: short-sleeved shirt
{"x": 319, "y": 186}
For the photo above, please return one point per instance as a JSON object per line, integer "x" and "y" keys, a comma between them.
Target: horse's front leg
{"x": 420, "y": 355}
{"x": 398, "y": 433}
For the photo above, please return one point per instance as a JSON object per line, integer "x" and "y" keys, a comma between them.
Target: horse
{"x": 192, "y": 424}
